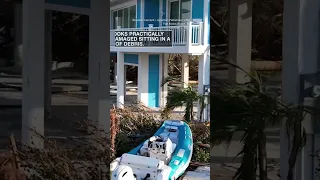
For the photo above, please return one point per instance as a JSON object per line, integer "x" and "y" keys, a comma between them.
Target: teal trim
{"x": 73, "y": 3}
{"x": 185, "y": 140}
{"x": 151, "y": 13}
{"x": 154, "y": 81}
{"x": 131, "y": 58}
{"x": 138, "y": 13}
{"x": 197, "y": 9}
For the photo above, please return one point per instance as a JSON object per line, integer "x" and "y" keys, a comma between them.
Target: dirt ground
{"x": 221, "y": 174}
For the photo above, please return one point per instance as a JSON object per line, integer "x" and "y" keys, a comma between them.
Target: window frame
{"x": 123, "y": 8}
{"x": 168, "y": 9}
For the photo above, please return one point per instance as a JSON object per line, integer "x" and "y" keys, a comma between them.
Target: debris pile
{"x": 202, "y": 172}
{"x": 9, "y": 163}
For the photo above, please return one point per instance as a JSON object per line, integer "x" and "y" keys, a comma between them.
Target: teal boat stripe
{"x": 183, "y": 144}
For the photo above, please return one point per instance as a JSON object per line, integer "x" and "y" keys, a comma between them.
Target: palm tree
{"x": 248, "y": 109}
{"x": 179, "y": 97}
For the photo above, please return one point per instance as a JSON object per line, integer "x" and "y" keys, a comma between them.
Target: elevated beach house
{"x": 189, "y": 22}
{"x": 189, "y": 38}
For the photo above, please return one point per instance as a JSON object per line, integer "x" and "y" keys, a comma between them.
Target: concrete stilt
{"x": 115, "y": 72}
{"x": 125, "y": 81}
{"x": 300, "y": 71}
{"x": 203, "y": 77}
{"x": 240, "y": 35}
{"x": 48, "y": 65}
{"x": 143, "y": 78}
{"x": 165, "y": 75}
{"x": 185, "y": 70}
{"x": 18, "y": 36}
{"x": 120, "y": 79}
{"x": 99, "y": 64}
{"x": 33, "y": 95}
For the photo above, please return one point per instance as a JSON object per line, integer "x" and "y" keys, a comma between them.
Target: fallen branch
{"x": 204, "y": 145}
{"x": 10, "y": 167}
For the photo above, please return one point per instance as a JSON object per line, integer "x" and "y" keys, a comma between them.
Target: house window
{"x": 179, "y": 11}
{"x": 125, "y": 17}
{"x": 132, "y": 17}
{"x": 185, "y": 11}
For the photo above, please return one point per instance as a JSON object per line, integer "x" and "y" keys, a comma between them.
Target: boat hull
{"x": 181, "y": 156}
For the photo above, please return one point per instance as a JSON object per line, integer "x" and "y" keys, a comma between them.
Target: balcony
{"x": 185, "y": 39}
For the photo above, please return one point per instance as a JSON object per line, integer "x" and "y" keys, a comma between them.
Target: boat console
{"x": 161, "y": 149}
{"x": 158, "y": 147}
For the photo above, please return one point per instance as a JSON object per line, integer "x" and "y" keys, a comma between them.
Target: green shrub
{"x": 201, "y": 154}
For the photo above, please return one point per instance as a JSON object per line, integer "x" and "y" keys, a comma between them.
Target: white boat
{"x": 164, "y": 156}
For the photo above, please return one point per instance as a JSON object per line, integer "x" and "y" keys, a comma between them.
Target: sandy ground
{"x": 221, "y": 174}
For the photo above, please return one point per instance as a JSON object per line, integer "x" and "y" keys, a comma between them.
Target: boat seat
{"x": 171, "y": 135}
{"x": 171, "y": 128}
{"x": 140, "y": 161}
{"x": 174, "y": 122}
{"x": 144, "y": 149}
{"x": 141, "y": 166}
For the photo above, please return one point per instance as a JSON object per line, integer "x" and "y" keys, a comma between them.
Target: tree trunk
{"x": 248, "y": 168}
{"x": 262, "y": 153}
{"x": 297, "y": 143}
{"x": 114, "y": 130}
{"x": 191, "y": 112}
{"x": 201, "y": 108}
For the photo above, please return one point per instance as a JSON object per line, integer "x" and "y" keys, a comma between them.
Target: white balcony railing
{"x": 191, "y": 34}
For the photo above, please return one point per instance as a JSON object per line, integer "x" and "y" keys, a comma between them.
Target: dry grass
{"x": 10, "y": 168}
